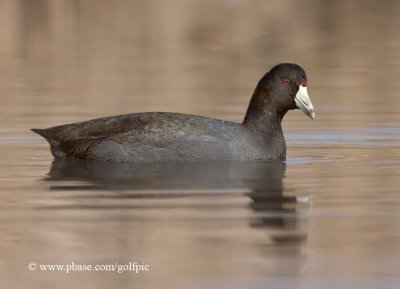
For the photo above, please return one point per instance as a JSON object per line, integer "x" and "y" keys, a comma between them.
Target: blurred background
{"x": 72, "y": 60}
{"x": 335, "y": 221}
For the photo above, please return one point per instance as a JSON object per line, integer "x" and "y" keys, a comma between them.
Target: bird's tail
{"x": 55, "y": 146}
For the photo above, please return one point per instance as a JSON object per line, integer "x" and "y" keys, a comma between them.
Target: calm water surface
{"x": 328, "y": 217}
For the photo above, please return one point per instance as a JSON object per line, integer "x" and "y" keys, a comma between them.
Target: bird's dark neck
{"x": 262, "y": 115}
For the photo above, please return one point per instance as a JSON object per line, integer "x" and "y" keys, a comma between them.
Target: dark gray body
{"x": 160, "y": 136}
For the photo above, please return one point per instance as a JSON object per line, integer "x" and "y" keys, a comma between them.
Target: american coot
{"x": 164, "y": 136}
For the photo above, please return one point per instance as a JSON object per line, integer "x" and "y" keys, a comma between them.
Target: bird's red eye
{"x": 286, "y": 81}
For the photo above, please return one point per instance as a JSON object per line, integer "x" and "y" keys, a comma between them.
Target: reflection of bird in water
{"x": 170, "y": 175}
{"x": 274, "y": 210}
{"x": 261, "y": 182}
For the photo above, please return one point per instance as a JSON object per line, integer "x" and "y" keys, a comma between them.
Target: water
{"x": 326, "y": 218}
